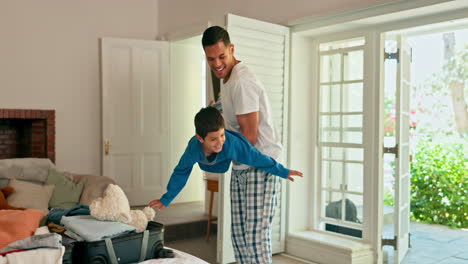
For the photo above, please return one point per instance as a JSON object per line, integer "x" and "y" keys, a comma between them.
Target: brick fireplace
{"x": 27, "y": 133}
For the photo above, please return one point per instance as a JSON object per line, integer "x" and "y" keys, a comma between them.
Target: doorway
{"x": 436, "y": 130}
{"x": 191, "y": 90}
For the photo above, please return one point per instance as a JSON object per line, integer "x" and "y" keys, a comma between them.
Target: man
{"x": 246, "y": 110}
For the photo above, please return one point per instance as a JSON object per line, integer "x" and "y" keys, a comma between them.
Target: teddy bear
{"x": 4, "y": 193}
{"x": 114, "y": 206}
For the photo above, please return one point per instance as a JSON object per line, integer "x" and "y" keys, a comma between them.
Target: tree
{"x": 454, "y": 75}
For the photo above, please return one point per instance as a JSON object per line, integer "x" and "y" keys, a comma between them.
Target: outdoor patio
{"x": 433, "y": 244}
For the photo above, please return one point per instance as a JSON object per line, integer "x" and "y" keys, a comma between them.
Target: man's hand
{"x": 156, "y": 203}
{"x": 294, "y": 173}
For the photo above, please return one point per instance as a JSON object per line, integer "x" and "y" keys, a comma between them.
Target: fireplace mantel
{"x": 27, "y": 133}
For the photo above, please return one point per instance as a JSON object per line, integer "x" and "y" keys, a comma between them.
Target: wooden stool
{"x": 212, "y": 186}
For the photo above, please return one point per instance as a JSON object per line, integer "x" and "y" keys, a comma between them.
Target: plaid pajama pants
{"x": 253, "y": 203}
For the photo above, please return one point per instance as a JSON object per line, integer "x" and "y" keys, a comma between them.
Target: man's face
{"x": 221, "y": 59}
{"x": 213, "y": 142}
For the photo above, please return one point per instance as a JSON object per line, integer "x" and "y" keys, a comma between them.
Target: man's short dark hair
{"x": 207, "y": 120}
{"x": 215, "y": 34}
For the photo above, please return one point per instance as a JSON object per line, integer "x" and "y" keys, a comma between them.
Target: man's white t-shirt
{"x": 244, "y": 94}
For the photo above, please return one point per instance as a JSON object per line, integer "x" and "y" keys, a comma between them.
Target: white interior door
{"x": 402, "y": 166}
{"x": 263, "y": 47}
{"x": 135, "y": 116}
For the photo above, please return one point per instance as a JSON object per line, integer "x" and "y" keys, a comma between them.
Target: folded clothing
{"x": 40, "y": 255}
{"x": 55, "y": 215}
{"x": 50, "y": 240}
{"x": 91, "y": 229}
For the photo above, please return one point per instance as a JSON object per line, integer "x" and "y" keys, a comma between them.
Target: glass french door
{"x": 341, "y": 136}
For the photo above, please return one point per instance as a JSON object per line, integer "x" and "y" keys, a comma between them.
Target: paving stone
{"x": 453, "y": 260}
{"x": 461, "y": 243}
{"x": 463, "y": 255}
{"x": 434, "y": 244}
{"x": 418, "y": 259}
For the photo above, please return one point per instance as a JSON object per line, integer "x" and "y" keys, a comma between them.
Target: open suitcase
{"x": 130, "y": 248}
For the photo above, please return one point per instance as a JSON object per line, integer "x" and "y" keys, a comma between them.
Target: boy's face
{"x": 221, "y": 59}
{"x": 213, "y": 142}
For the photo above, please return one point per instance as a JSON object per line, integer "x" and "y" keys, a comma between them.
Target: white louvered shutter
{"x": 264, "y": 48}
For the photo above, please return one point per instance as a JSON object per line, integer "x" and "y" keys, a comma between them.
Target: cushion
{"x": 18, "y": 224}
{"x": 30, "y": 169}
{"x": 4, "y": 182}
{"x": 94, "y": 187}
{"x": 30, "y": 195}
{"x": 66, "y": 193}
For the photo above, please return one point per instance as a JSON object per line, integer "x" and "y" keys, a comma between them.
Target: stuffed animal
{"x": 140, "y": 218}
{"x": 114, "y": 206}
{"x": 4, "y": 193}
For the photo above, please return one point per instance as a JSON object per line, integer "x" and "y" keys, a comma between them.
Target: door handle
{"x": 106, "y": 146}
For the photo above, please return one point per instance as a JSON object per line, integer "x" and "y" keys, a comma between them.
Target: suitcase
{"x": 69, "y": 244}
{"x": 129, "y": 248}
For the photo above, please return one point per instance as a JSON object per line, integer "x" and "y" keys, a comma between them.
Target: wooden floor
{"x": 185, "y": 229}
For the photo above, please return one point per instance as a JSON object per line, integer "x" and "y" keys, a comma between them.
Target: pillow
{"x": 19, "y": 225}
{"x": 4, "y": 182}
{"x": 30, "y": 195}
{"x": 30, "y": 169}
{"x": 66, "y": 193}
{"x": 94, "y": 187}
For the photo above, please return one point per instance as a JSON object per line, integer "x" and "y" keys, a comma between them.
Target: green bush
{"x": 388, "y": 198}
{"x": 439, "y": 184}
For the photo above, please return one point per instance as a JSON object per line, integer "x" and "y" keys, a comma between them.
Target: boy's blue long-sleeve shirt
{"x": 236, "y": 147}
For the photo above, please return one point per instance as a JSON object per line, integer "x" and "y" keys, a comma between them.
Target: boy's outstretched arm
{"x": 177, "y": 181}
{"x": 294, "y": 173}
{"x": 158, "y": 204}
{"x": 244, "y": 152}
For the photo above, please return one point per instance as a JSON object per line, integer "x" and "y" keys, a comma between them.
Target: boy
{"x": 213, "y": 148}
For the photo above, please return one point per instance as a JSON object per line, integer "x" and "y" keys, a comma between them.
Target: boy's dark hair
{"x": 207, "y": 120}
{"x": 215, "y": 34}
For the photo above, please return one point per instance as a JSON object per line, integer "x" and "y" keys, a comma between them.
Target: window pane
{"x": 332, "y": 174}
{"x": 325, "y": 170}
{"x": 354, "y": 154}
{"x": 325, "y": 152}
{"x": 352, "y": 97}
{"x": 354, "y": 175}
{"x": 353, "y": 65}
{"x": 354, "y": 208}
{"x": 325, "y": 98}
{"x": 351, "y": 122}
{"x": 336, "y": 174}
{"x": 352, "y": 129}
{"x": 336, "y": 153}
{"x": 330, "y": 68}
{"x": 330, "y": 98}
{"x": 352, "y": 137}
{"x": 332, "y": 204}
{"x": 330, "y": 128}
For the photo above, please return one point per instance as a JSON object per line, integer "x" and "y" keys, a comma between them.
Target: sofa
{"x": 40, "y": 187}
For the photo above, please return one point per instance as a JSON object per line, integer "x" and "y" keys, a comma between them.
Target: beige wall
{"x": 178, "y": 17}
{"x": 49, "y": 59}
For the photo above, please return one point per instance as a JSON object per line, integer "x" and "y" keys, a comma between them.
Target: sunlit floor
{"x": 433, "y": 244}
